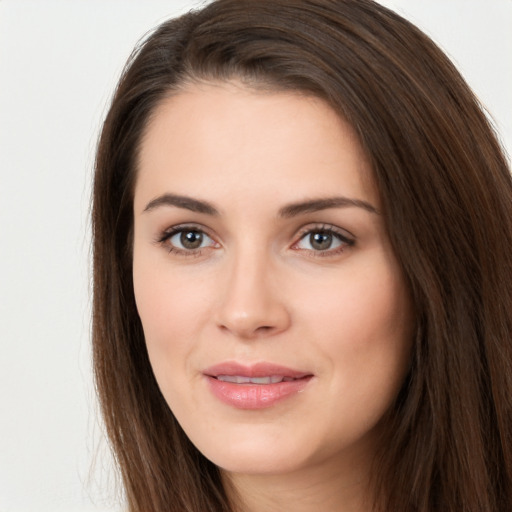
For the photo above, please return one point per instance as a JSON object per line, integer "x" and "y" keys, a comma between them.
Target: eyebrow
{"x": 290, "y": 210}
{"x": 315, "y": 205}
{"x": 187, "y": 203}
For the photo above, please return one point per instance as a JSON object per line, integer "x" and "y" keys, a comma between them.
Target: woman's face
{"x": 276, "y": 317}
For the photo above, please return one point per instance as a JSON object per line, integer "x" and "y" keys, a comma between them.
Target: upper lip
{"x": 262, "y": 369}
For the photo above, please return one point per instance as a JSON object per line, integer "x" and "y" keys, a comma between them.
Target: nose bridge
{"x": 251, "y": 305}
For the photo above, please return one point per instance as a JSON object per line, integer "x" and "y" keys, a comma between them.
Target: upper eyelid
{"x": 325, "y": 227}
{"x": 172, "y": 230}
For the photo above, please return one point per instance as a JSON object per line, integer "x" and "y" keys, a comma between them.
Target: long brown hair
{"x": 446, "y": 192}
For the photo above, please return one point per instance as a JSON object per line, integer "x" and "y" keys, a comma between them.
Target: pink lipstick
{"x": 256, "y": 386}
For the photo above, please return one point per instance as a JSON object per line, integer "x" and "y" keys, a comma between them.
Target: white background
{"x": 59, "y": 61}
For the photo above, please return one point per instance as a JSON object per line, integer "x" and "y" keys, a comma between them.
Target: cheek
{"x": 362, "y": 306}
{"x": 364, "y": 326}
{"x": 167, "y": 317}
{"x": 171, "y": 307}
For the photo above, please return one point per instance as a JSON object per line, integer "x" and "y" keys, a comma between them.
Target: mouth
{"x": 257, "y": 386}
{"x": 241, "y": 379}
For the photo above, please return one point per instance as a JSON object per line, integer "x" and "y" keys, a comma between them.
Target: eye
{"x": 325, "y": 241}
{"x": 189, "y": 239}
{"x": 186, "y": 240}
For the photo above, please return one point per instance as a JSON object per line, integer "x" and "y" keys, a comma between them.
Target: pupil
{"x": 191, "y": 239}
{"x": 321, "y": 241}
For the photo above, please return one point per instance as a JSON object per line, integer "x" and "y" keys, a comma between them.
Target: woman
{"x": 302, "y": 228}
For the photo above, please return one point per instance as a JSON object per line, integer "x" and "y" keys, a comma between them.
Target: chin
{"x": 256, "y": 454}
{"x": 257, "y": 463}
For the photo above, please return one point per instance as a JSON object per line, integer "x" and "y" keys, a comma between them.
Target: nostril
{"x": 264, "y": 328}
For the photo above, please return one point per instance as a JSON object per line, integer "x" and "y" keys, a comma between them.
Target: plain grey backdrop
{"x": 59, "y": 62}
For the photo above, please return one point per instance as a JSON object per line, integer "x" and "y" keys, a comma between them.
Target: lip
{"x": 251, "y": 395}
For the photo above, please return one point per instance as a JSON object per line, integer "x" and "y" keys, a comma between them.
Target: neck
{"x": 326, "y": 488}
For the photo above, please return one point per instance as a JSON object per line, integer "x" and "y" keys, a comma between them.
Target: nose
{"x": 252, "y": 306}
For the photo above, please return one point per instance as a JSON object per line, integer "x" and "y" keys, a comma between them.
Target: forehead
{"x": 226, "y": 141}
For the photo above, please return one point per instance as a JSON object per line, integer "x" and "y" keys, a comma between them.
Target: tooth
{"x": 239, "y": 379}
{"x": 260, "y": 380}
{"x": 227, "y": 378}
{"x": 235, "y": 379}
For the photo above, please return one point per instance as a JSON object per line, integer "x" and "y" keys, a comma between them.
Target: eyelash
{"x": 168, "y": 234}
{"x": 345, "y": 241}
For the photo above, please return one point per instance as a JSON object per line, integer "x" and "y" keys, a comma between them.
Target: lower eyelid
{"x": 182, "y": 252}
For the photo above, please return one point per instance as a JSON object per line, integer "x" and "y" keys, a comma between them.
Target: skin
{"x": 259, "y": 290}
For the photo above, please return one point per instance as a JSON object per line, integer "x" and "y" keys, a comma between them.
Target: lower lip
{"x": 255, "y": 396}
